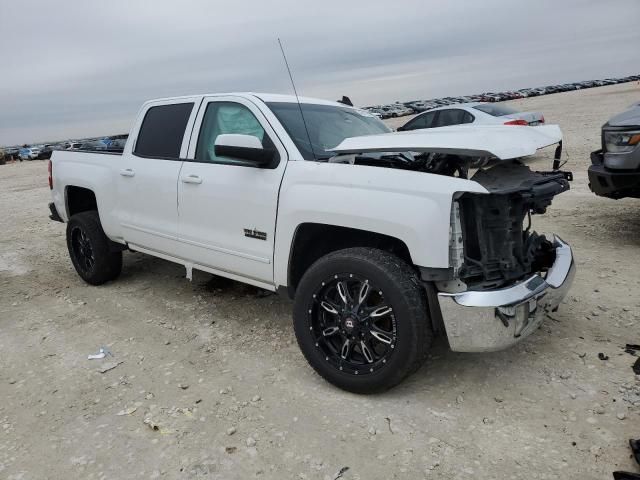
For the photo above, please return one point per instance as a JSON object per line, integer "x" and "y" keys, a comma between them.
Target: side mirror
{"x": 243, "y": 147}
{"x": 400, "y": 129}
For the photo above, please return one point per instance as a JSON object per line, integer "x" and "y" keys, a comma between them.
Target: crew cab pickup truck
{"x": 383, "y": 239}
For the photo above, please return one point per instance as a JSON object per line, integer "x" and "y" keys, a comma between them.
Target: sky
{"x": 82, "y": 68}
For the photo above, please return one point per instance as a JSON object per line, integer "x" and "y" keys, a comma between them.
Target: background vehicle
{"x": 472, "y": 113}
{"x": 29, "y": 153}
{"x": 45, "y": 152}
{"x": 11, "y": 153}
{"x": 379, "y": 247}
{"x": 615, "y": 169}
{"x": 396, "y": 110}
{"x": 72, "y": 145}
{"x": 372, "y": 111}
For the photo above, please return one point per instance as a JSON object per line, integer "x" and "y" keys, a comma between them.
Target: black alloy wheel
{"x": 361, "y": 319}
{"x": 352, "y": 324}
{"x": 82, "y": 250}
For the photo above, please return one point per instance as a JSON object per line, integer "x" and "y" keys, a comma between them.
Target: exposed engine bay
{"x": 500, "y": 246}
{"x": 438, "y": 163}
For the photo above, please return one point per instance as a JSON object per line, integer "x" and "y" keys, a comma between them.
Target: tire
{"x": 353, "y": 350}
{"x": 89, "y": 249}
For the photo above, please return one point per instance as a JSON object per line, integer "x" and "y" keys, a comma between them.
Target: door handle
{"x": 191, "y": 179}
{"x": 127, "y": 172}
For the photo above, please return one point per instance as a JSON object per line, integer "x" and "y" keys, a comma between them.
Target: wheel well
{"x": 312, "y": 241}
{"x": 80, "y": 199}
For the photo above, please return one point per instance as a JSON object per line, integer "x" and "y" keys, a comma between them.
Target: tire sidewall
{"x": 106, "y": 263}
{"x": 407, "y": 336}
{"x": 76, "y": 222}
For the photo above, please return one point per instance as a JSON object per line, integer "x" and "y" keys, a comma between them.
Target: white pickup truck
{"x": 383, "y": 239}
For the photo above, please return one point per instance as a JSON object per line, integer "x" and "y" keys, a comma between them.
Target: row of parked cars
{"x": 43, "y": 151}
{"x": 416, "y": 106}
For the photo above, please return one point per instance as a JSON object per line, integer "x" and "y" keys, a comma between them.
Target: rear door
{"x": 227, "y": 208}
{"x": 147, "y": 178}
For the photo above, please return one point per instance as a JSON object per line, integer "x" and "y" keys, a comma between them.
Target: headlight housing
{"x": 621, "y": 141}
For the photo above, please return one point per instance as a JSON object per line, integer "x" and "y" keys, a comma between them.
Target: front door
{"x": 227, "y": 208}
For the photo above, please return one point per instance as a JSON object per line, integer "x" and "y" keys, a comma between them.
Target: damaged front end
{"x": 503, "y": 277}
{"x": 499, "y": 245}
{"x": 507, "y": 276}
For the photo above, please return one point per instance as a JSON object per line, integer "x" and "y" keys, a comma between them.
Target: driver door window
{"x": 223, "y": 118}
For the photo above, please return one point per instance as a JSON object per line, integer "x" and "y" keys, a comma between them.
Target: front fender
{"x": 413, "y": 207}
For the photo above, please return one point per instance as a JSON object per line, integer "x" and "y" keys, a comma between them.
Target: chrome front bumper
{"x": 482, "y": 321}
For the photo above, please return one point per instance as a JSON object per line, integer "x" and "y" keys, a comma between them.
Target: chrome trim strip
{"x": 197, "y": 244}
{"x": 150, "y": 232}
{"x": 225, "y": 250}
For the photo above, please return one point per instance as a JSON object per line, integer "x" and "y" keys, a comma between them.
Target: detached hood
{"x": 499, "y": 141}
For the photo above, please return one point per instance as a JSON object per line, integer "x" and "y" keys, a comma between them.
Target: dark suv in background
{"x": 615, "y": 169}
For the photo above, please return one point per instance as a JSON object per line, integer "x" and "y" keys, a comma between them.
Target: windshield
{"x": 328, "y": 126}
{"x": 495, "y": 110}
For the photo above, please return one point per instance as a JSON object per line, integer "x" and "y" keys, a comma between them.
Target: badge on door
{"x": 253, "y": 233}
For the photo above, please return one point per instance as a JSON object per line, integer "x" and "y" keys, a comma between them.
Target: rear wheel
{"x": 90, "y": 251}
{"x": 361, "y": 319}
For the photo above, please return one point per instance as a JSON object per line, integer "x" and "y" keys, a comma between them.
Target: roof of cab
{"x": 265, "y": 97}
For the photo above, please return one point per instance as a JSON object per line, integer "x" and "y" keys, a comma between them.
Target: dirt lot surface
{"x": 208, "y": 381}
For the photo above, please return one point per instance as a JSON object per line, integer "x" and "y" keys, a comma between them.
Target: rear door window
{"x": 467, "y": 117}
{"x": 452, "y": 116}
{"x": 162, "y": 131}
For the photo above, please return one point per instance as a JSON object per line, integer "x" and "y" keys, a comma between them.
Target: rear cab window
{"x": 495, "y": 110}
{"x": 162, "y": 131}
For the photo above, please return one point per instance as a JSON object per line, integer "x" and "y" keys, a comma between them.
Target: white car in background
{"x": 374, "y": 112}
{"x": 476, "y": 113}
{"x": 396, "y": 110}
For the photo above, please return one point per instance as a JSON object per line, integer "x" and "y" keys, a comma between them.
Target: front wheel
{"x": 361, "y": 319}
{"x": 90, "y": 251}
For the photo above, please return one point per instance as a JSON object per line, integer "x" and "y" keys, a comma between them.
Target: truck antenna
{"x": 313, "y": 154}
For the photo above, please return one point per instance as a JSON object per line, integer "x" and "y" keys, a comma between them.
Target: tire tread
{"x": 402, "y": 275}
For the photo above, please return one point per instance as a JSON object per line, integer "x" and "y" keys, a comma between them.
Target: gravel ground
{"x": 207, "y": 380}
